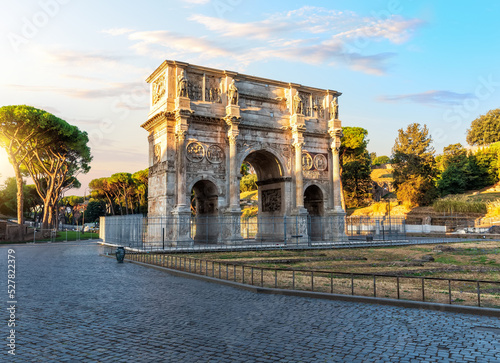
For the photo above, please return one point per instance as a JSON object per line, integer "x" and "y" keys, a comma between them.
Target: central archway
{"x": 206, "y": 209}
{"x": 271, "y": 182}
{"x": 314, "y": 203}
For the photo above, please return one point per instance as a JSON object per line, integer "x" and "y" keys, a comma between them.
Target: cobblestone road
{"x": 73, "y": 305}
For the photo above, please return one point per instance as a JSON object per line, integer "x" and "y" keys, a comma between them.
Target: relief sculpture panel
{"x": 213, "y": 92}
{"x": 271, "y": 200}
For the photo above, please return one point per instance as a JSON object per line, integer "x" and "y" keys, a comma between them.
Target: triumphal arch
{"x": 204, "y": 123}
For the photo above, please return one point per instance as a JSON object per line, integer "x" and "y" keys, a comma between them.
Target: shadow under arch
{"x": 206, "y": 206}
{"x": 314, "y": 203}
{"x": 272, "y": 198}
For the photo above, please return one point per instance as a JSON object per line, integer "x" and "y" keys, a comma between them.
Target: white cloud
{"x": 117, "y": 31}
{"x": 432, "y": 97}
{"x": 310, "y": 34}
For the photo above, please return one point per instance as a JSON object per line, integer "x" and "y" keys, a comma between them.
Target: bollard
{"x": 120, "y": 254}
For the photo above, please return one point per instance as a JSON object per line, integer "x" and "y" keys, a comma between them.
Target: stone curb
{"x": 318, "y": 295}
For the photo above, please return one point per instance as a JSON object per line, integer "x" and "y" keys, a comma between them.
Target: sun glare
{"x": 5, "y": 167}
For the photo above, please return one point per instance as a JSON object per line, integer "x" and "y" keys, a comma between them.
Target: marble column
{"x": 234, "y": 189}
{"x": 180, "y": 137}
{"x": 299, "y": 180}
{"x": 182, "y": 212}
{"x": 337, "y": 183}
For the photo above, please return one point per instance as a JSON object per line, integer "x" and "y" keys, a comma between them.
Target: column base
{"x": 335, "y": 226}
{"x": 181, "y": 230}
{"x": 297, "y": 232}
{"x": 231, "y": 227}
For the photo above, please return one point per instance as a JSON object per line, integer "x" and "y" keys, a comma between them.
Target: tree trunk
{"x": 20, "y": 202}
{"x": 20, "y": 196}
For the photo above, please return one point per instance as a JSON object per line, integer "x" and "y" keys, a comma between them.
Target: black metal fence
{"x": 463, "y": 292}
{"x": 212, "y": 232}
{"x": 376, "y": 228}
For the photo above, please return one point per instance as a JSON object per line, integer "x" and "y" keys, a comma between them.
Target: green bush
{"x": 248, "y": 183}
{"x": 459, "y": 205}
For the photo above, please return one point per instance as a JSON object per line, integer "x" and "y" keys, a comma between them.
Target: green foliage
{"x": 248, "y": 183}
{"x": 122, "y": 192}
{"x": 249, "y": 212}
{"x": 93, "y": 211}
{"x": 461, "y": 172}
{"x": 485, "y": 129}
{"x": 52, "y": 151}
{"x": 414, "y": 166}
{"x": 244, "y": 169}
{"x": 380, "y": 160}
{"x": 453, "y": 205}
{"x": 416, "y": 190}
{"x": 8, "y": 198}
{"x": 355, "y": 164}
{"x": 453, "y": 163}
{"x": 71, "y": 200}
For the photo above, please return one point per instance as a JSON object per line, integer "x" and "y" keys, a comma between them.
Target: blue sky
{"x": 395, "y": 61}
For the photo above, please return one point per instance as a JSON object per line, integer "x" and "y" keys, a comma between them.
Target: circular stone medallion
{"x": 215, "y": 154}
{"x": 307, "y": 161}
{"x": 195, "y": 152}
{"x": 320, "y": 162}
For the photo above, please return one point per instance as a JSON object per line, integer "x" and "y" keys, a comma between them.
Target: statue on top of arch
{"x": 298, "y": 104}
{"x": 334, "y": 109}
{"x": 232, "y": 94}
{"x": 182, "y": 85}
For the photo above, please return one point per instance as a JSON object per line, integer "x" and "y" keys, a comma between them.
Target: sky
{"x": 396, "y": 62}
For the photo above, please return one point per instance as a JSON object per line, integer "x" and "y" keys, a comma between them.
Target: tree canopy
{"x": 414, "y": 165}
{"x": 355, "y": 164}
{"x": 122, "y": 193}
{"x": 52, "y": 151}
{"x": 485, "y": 129}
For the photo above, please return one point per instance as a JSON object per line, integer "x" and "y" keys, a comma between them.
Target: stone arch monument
{"x": 204, "y": 123}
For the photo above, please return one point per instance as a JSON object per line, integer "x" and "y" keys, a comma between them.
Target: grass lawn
{"x": 63, "y": 236}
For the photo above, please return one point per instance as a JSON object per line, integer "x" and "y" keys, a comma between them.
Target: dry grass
{"x": 334, "y": 270}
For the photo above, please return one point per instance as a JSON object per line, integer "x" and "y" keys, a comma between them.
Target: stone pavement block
{"x": 74, "y": 305}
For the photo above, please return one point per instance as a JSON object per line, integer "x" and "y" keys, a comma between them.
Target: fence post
{"x": 312, "y": 280}
{"x": 398, "y": 286}
{"x": 478, "y": 295}
{"x": 374, "y": 286}
{"x": 423, "y": 289}
{"x": 275, "y": 279}
{"x": 284, "y": 225}
{"x": 352, "y": 284}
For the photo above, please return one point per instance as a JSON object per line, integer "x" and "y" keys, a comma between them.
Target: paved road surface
{"x": 73, "y": 305}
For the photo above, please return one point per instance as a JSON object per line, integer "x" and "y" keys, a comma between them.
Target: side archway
{"x": 205, "y": 206}
{"x": 314, "y": 203}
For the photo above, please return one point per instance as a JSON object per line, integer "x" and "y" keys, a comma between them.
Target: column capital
{"x": 232, "y": 139}
{"x": 232, "y": 121}
{"x": 298, "y": 144}
{"x": 180, "y": 135}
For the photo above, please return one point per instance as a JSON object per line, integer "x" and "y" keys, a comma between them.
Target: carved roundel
{"x": 307, "y": 161}
{"x": 320, "y": 162}
{"x": 215, "y": 154}
{"x": 195, "y": 152}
